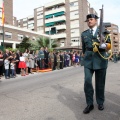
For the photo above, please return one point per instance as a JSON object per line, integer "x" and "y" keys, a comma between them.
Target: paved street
{"x": 57, "y": 95}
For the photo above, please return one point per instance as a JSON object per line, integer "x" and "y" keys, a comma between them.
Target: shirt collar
{"x": 95, "y": 28}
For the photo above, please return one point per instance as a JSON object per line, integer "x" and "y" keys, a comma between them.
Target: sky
{"x": 24, "y": 8}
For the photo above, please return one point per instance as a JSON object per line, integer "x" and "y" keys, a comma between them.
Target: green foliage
{"x": 42, "y": 42}
{"x": 11, "y": 49}
{"x": 22, "y": 50}
{"x": 25, "y": 44}
{"x": 36, "y": 44}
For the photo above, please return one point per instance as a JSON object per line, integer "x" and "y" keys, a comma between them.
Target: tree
{"x": 42, "y": 42}
{"x": 25, "y": 44}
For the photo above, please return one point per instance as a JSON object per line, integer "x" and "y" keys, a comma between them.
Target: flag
{"x": 3, "y": 16}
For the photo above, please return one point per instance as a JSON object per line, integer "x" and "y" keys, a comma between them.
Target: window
{"x": 75, "y": 40}
{"x": 74, "y": 31}
{"x": 20, "y": 37}
{"x": 74, "y": 13}
{"x": 40, "y": 22}
{"x": 73, "y": 4}
{"x": 74, "y": 22}
{"x": 8, "y": 35}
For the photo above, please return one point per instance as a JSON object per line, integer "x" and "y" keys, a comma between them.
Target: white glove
{"x": 103, "y": 46}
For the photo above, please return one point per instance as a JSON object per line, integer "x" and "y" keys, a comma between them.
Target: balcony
{"x": 55, "y": 10}
{"x": 31, "y": 22}
{"x": 55, "y": 19}
{"x": 60, "y": 35}
{"x": 74, "y": 25}
{"x": 40, "y": 17}
{"x": 31, "y": 17}
{"x": 56, "y": 2}
{"x": 31, "y": 27}
{"x": 74, "y": 8}
{"x": 75, "y": 35}
{"x": 58, "y": 27}
{"x": 74, "y": 17}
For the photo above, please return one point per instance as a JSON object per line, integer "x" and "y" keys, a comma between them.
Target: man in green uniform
{"x": 58, "y": 60}
{"x": 41, "y": 57}
{"x": 93, "y": 62}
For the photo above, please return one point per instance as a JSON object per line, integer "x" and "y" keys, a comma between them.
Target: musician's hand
{"x": 103, "y": 46}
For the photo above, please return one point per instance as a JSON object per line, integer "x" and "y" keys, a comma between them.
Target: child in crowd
{"x": 12, "y": 68}
{"x": 22, "y": 64}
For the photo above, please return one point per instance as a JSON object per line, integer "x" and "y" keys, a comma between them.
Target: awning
{"x": 59, "y": 14}
{"x": 49, "y": 24}
{"x": 49, "y": 16}
{"x": 60, "y": 21}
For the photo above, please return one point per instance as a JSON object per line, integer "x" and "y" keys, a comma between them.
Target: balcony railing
{"x": 54, "y": 19}
{"x": 56, "y": 2}
{"x": 58, "y": 27}
{"x": 59, "y": 35}
{"x": 55, "y": 10}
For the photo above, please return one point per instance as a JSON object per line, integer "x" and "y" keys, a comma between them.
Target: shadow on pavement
{"x": 76, "y": 103}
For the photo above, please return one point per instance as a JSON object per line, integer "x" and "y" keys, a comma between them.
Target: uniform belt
{"x": 91, "y": 49}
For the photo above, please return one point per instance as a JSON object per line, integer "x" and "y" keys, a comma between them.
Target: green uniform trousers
{"x": 100, "y": 76}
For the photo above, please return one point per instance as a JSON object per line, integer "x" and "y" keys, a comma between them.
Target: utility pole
{"x": 3, "y": 34}
{"x": 3, "y": 20}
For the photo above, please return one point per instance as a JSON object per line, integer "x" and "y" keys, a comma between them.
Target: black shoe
{"x": 88, "y": 109}
{"x": 101, "y": 107}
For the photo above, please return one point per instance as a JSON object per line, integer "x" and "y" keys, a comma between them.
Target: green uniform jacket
{"x": 92, "y": 60}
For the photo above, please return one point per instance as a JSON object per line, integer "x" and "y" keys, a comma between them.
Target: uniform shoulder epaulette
{"x": 85, "y": 31}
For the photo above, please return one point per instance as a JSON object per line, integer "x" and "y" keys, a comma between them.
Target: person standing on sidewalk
{"x": 12, "y": 68}
{"x": 41, "y": 58}
{"x": 93, "y": 62}
{"x": 6, "y": 66}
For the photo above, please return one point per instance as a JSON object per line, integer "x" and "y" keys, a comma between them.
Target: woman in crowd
{"x": 77, "y": 59}
{"x": 17, "y": 62}
{"x": 73, "y": 58}
{"x": 22, "y": 64}
{"x": 36, "y": 60}
{"x": 26, "y": 55}
{"x": 31, "y": 61}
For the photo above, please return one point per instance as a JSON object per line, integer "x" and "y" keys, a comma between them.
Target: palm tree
{"x": 25, "y": 44}
{"x": 42, "y": 42}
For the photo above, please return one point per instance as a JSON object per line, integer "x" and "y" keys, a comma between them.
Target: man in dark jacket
{"x": 93, "y": 62}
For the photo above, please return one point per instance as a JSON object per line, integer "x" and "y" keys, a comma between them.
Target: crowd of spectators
{"x": 13, "y": 63}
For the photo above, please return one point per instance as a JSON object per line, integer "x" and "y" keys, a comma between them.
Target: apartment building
{"x": 14, "y": 30}
{"x": 114, "y": 33}
{"x": 62, "y": 20}
{"x": 14, "y": 35}
{"x": 27, "y": 22}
